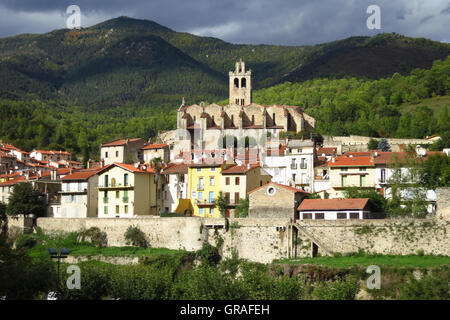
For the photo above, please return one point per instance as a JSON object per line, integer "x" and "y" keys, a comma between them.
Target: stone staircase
{"x": 313, "y": 238}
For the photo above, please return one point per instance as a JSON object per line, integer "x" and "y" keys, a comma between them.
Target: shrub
{"x": 209, "y": 254}
{"x": 27, "y": 241}
{"x": 430, "y": 287}
{"x": 136, "y": 237}
{"x": 337, "y": 290}
{"x": 95, "y": 236}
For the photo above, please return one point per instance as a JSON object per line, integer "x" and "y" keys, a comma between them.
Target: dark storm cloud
{"x": 242, "y": 21}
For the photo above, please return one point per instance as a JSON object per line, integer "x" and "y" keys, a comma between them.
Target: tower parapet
{"x": 240, "y": 85}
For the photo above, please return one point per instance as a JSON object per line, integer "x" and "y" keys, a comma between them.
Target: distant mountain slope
{"x": 125, "y": 59}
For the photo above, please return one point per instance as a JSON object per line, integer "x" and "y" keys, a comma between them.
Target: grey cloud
{"x": 289, "y": 22}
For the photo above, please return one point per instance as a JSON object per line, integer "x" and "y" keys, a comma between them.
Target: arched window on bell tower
{"x": 240, "y": 85}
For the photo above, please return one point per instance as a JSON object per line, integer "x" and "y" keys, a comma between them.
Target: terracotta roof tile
{"x": 120, "y": 142}
{"x": 344, "y": 161}
{"x": 333, "y": 204}
{"x": 279, "y": 185}
{"x": 155, "y": 146}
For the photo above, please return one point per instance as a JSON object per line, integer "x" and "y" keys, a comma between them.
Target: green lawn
{"x": 366, "y": 260}
{"x": 40, "y": 251}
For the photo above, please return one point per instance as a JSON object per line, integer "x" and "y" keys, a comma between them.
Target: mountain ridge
{"x": 125, "y": 59}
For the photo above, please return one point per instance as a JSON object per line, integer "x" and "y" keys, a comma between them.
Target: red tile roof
{"x": 13, "y": 181}
{"x": 174, "y": 168}
{"x": 344, "y": 161}
{"x": 242, "y": 169}
{"x": 155, "y": 146}
{"x": 333, "y": 204}
{"x": 80, "y": 175}
{"x": 132, "y": 168}
{"x": 120, "y": 142}
{"x": 327, "y": 151}
{"x": 279, "y": 185}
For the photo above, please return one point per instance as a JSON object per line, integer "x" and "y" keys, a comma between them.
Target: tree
{"x": 383, "y": 145}
{"x": 376, "y": 200}
{"x": 241, "y": 210}
{"x": 373, "y": 144}
{"x": 25, "y": 200}
{"x": 222, "y": 204}
{"x": 3, "y": 219}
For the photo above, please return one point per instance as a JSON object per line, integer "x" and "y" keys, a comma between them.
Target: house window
{"x": 182, "y": 178}
{"x": 303, "y": 164}
{"x": 117, "y": 209}
{"x": 362, "y": 181}
{"x": 117, "y": 154}
{"x": 200, "y": 195}
{"x": 320, "y": 215}
{"x": 105, "y": 209}
{"x": 117, "y": 194}
{"x": 125, "y": 208}
{"x": 293, "y": 164}
{"x": 227, "y": 181}
{"x": 211, "y": 210}
{"x": 362, "y": 169}
{"x": 236, "y": 197}
{"x": 106, "y": 180}
{"x": 307, "y": 216}
{"x": 383, "y": 175}
{"x": 106, "y": 154}
{"x": 354, "y": 215}
{"x": 236, "y": 181}
{"x": 227, "y": 196}
{"x": 199, "y": 169}
{"x": 200, "y": 210}
{"x": 211, "y": 197}
{"x": 342, "y": 215}
{"x": 344, "y": 181}
{"x": 213, "y": 168}
{"x": 125, "y": 179}
{"x": 211, "y": 181}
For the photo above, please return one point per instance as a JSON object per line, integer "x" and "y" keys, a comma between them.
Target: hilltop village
{"x": 240, "y": 152}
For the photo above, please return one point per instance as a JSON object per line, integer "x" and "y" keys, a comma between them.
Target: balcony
{"x": 105, "y": 200}
{"x": 115, "y": 186}
{"x": 78, "y": 191}
{"x": 205, "y": 203}
{"x": 125, "y": 199}
{"x": 200, "y": 187}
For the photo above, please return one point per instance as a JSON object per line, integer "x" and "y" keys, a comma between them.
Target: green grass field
{"x": 367, "y": 260}
{"x": 40, "y": 251}
{"x": 434, "y": 104}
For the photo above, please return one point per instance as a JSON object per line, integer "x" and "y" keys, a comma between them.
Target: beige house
{"x": 122, "y": 150}
{"x": 128, "y": 190}
{"x": 238, "y": 180}
{"x": 79, "y": 195}
{"x": 152, "y": 151}
{"x": 274, "y": 200}
{"x": 350, "y": 171}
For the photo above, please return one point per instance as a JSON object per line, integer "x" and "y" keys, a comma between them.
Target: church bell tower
{"x": 240, "y": 85}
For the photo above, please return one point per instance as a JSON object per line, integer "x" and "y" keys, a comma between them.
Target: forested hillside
{"x": 129, "y": 60}
{"x": 411, "y": 106}
{"x": 74, "y": 89}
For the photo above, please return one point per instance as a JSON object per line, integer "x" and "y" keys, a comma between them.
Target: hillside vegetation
{"x": 125, "y": 78}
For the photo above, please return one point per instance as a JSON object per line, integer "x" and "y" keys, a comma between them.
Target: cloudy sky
{"x": 288, "y": 22}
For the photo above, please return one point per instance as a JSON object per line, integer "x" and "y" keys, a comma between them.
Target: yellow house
{"x": 351, "y": 171}
{"x": 204, "y": 186}
{"x": 128, "y": 190}
{"x": 238, "y": 180}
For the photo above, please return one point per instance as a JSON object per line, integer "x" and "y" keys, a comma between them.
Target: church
{"x": 207, "y": 124}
